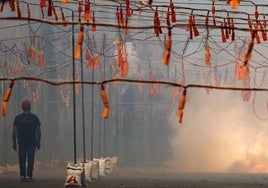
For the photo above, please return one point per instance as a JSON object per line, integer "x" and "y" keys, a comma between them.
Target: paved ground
{"x": 143, "y": 178}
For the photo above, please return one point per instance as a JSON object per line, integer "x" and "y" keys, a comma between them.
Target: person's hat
{"x": 26, "y": 105}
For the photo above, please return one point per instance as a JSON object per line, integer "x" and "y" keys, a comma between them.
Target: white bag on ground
{"x": 113, "y": 164}
{"x": 88, "y": 171}
{"x": 95, "y": 170}
{"x": 107, "y": 165}
{"x": 101, "y": 167}
{"x": 74, "y": 173}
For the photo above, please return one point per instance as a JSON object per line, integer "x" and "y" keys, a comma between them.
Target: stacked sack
{"x": 79, "y": 175}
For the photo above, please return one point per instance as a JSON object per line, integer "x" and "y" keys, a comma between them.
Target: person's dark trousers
{"x": 26, "y": 152}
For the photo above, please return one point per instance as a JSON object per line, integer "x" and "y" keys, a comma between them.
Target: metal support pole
{"x": 74, "y": 101}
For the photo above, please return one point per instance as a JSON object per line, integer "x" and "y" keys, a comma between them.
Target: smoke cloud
{"x": 219, "y": 133}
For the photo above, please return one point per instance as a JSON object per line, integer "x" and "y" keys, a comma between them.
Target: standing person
{"x": 27, "y": 134}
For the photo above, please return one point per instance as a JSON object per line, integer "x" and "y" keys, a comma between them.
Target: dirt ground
{"x": 141, "y": 177}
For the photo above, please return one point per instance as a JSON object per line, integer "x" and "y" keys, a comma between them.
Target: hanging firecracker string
{"x": 126, "y": 25}
{"x": 196, "y": 32}
{"x": 124, "y": 64}
{"x": 32, "y": 52}
{"x": 18, "y": 9}
{"x": 63, "y": 18}
{"x": 168, "y": 45}
{"x": 79, "y": 10}
{"x": 42, "y": 3}
{"x": 54, "y": 12}
{"x": 128, "y": 9}
{"x": 246, "y": 94}
{"x": 256, "y": 13}
{"x": 257, "y": 37}
{"x": 181, "y": 105}
{"x": 28, "y": 12}
{"x": 229, "y": 23}
{"x": 87, "y": 11}
{"x": 64, "y": 1}
{"x": 77, "y": 85}
{"x": 207, "y": 54}
{"x": 207, "y": 19}
{"x": 93, "y": 62}
{"x": 121, "y": 16}
{"x": 6, "y": 98}
{"x": 167, "y": 52}
{"x": 213, "y": 11}
{"x": 191, "y": 27}
{"x": 152, "y": 86}
{"x": 12, "y": 5}
{"x": 49, "y": 9}
{"x": 149, "y": 2}
{"x": 223, "y": 37}
{"x": 33, "y": 92}
{"x": 249, "y": 49}
{"x": 105, "y": 101}
{"x": 263, "y": 32}
{"x": 40, "y": 52}
{"x": 79, "y": 43}
{"x": 2, "y": 6}
{"x": 42, "y": 11}
{"x": 119, "y": 53}
{"x": 157, "y": 26}
{"x": 232, "y": 30}
{"x": 173, "y": 13}
{"x": 226, "y": 29}
{"x": 139, "y": 78}
{"x": 94, "y": 27}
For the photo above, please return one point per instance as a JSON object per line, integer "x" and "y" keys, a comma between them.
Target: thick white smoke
{"x": 220, "y": 133}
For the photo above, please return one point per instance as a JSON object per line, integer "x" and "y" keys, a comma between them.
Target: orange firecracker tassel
{"x": 249, "y": 50}
{"x": 234, "y": 3}
{"x": 207, "y": 56}
{"x": 181, "y": 105}
{"x": 105, "y": 102}
{"x": 6, "y": 98}
{"x": 79, "y": 43}
{"x": 166, "y": 57}
{"x": 196, "y": 32}
{"x": 64, "y": 1}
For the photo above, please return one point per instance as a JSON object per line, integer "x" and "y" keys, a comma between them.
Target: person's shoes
{"x": 22, "y": 178}
{"x": 28, "y": 179}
